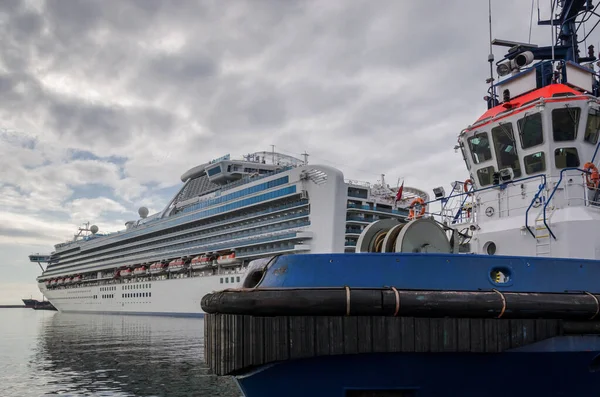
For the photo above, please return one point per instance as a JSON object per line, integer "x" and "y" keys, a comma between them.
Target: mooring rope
{"x": 503, "y": 302}
{"x": 397, "y": 300}
{"x": 347, "y": 300}
{"x": 597, "y": 304}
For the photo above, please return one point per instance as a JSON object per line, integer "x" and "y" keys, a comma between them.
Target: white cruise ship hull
{"x": 174, "y": 297}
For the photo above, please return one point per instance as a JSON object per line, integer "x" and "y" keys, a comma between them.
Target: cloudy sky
{"x": 105, "y": 104}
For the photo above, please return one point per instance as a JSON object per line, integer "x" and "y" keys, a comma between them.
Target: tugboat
{"x": 495, "y": 295}
{"x": 38, "y": 305}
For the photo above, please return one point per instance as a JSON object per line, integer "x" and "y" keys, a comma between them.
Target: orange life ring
{"x": 593, "y": 178}
{"x": 466, "y": 186}
{"x": 411, "y": 213}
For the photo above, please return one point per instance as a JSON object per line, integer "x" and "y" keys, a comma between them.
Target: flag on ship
{"x": 399, "y": 194}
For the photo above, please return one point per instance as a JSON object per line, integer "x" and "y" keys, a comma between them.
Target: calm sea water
{"x": 46, "y": 353}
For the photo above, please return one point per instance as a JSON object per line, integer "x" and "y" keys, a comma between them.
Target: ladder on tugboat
{"x": 542, "y": 234}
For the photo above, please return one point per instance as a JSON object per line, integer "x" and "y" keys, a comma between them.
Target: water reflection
{"x": 124, "y": 356}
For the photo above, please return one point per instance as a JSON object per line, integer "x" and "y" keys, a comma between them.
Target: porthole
{"x": 489, "y": 248}
{"x": 501, "y": 275}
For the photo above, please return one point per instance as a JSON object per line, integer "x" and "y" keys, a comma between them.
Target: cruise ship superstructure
{"x": 227, "y": 213}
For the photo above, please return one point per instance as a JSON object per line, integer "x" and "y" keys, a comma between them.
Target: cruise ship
{"x": 227, "y": 213}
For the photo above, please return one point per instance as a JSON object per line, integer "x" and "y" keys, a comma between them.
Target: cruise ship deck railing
{"x": 377, "y": 209}
{"x": 193, "y": 232}
{"x": 194, "y": 249}
{"x": 195, "y": 240}
{"x": 247, "y": 202}
{"x": 271, "y": 210}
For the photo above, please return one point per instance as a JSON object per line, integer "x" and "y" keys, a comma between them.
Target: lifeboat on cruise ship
{"x": 125, "y": 273}
{"x": 176, "y": 265}
{"x": 52, "y": 283}
{"x": 228, "y": 260}
{"x": 76, "y": 279}
{"x": 60, "y": 281}
{"x": 201, "y": 261}
{"x": 157, "y": 267}
{"x": 48, "y": 283}
{"x": 140, "y": 271}
{"x": 68, "y": 280}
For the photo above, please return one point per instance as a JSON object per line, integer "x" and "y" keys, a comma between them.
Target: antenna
{"x": 273, "y": 154}
{"x": 305, "y": 155}
{"x": 491, "y": 55}
{"x": 552, "y": 27}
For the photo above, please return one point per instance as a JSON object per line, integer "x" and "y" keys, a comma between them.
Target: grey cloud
{"x": 15, "y": 232}
{"x": 246, "y": 74}
{"x": 247, "y": 106}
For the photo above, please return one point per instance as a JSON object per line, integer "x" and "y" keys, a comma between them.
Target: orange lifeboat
{"x": 157, "y": 267}
{"x": 76, "y": 279}
{"x": 176, "y": 265}
{"x": 228, "y": 260}
{"x": 125, "y": 273}
{"x": 200, "y": 262}
{"x": 140, "y": 271}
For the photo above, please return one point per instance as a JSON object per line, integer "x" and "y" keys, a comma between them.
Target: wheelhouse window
{"x": 566, "y": 157}
{"x": 530, "y": 130}
{"x": 485, "y": 175}
{"x": 479, "y": 145}
{"x": 564, "y": 123}
{"x": 592, "y": 126}
{"x": 506, "y": 148}
{"x": 535, "y": 163}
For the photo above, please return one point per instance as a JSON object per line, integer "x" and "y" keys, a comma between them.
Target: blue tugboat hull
{"x": 556, "y": 367}
{"x": 433, "y": 272}
{"x": 559, "y": 366}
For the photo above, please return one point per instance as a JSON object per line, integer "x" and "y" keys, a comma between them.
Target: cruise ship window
{"x": 238, "y": 279}
{"x": 150, "y": 294}
{"x": 592, "y": 127}
{"x": 565, "y": 122}
{"x": 506, "y": 148}
{"x": 226, "y": 280}
{"x": 530, "y": 130}
{"x": 221, "y": 280}
{"x": 566, "y": 157}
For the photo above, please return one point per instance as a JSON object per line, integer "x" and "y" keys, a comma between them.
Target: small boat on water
{"x": 38, "y": 305}
{"x": 30, "y": 303}
{"x": 495, "y": 295}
